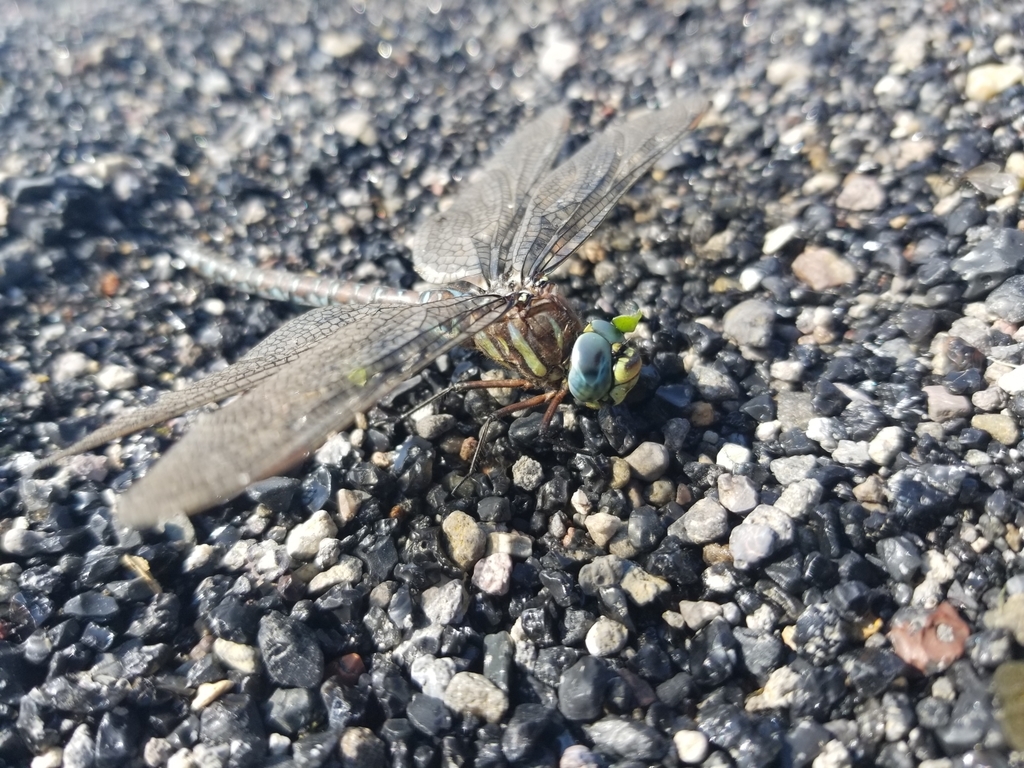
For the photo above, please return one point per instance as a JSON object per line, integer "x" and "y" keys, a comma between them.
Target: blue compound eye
{"x": 607, "y": 331}
{"x": 590, "y": 368}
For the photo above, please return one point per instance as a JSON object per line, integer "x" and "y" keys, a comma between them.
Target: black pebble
{"x": 290, "y": 652}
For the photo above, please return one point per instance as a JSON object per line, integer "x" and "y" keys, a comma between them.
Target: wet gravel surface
{"x": 797, "y": 543}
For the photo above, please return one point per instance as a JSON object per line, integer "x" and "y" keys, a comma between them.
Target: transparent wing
{"x": 572, "y": 200}
{"x": 359, "y": 354}
{"x": 472, "y": 236}
{"x": 281, "y": 347}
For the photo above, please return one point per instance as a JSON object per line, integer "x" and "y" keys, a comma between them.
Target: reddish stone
{"x": 929, "y": 641}
{"x": 348, "y": 668}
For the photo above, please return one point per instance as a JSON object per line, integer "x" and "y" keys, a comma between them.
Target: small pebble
{"x": 519, "y": 546}
{"x": 750, "y": 323}
{"x": 930, "y": 641}
{"x": 704, "y": 522}
{"x": 207, "y": 693}
{"x": 732, "y": 455}
{"x": 527, "y": 473}
{"x": 737, "y": 493}
{"x": 432, "y": 426}
{"x": 1002, "y": 428}
{"x": 861, "y": 193}
{"x": 774, "y": 518}
{"x": 466, "y": 539}
{"x": 822, "y": 268}
{"x": 628, "y": 738}
{"x": 1012, "y": 382}
{"x": 578, "y": 756}
{"x": 361, "y": 747}
{"x": 606, "y": 638}
{"x": 885, "y": 446}
{"x": 988, "y": 400}
{"x": 621, "y": 473}
{"x": 775, "y": 239}
{"x": 750, "y": 543}
{"x": 643, "y": 588}
{"x": 445, "y": 604}
{"x": 792, "y": 469}
{"x": 304, "y": 539}
{"x": 290, "y": 651}
{"x": 237, "y": 656}
{"x": 691, "y": 746}
{"x": 1007, "y": 301}
{"x": 492, "y": 574}
{"x": 21, "y": 542}
{"x": 558, "y": 51}
{"x": 989, "y": 80}
{"x": 852, "y": 453}
{"x": 602, "y": 527}
{"x": 112, "y": 377}
{"x": 943, "y": 406}
{"x": 472, "y": 694}
{"x": 649, "y": 461}
{"x": 357, "y": 124}
{"x": 348, "y": 571}
{"x": 432, "y": 674}
{"x": 713, "y": 386}
{"x": 799, "y": 498}
{"x": 69, "y": 365}
{"x": 698, "y": 614}
{"x": 339, "y": 44}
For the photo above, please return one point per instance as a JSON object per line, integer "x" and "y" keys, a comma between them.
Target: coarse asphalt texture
{"x": 797, "y": 543}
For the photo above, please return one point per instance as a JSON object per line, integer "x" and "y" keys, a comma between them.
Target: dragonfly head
{"x": 604, "y": 366}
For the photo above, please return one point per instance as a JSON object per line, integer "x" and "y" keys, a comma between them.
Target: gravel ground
{"x": 797, "y": 543}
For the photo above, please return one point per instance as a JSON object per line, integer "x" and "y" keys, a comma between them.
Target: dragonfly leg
{"x": 552, "y": 398}
{"x": 556, "y": 400}
{"x": 495, "y": 384}
{"x": 462, "y": 386}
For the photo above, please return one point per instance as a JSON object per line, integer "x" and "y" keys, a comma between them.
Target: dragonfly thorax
{"x": 542, "y": 339}
{"x": 534, "y": 338}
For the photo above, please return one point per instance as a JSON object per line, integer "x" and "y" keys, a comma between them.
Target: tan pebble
{"x": 716, "y": 553}
{"x": 861, "y": 193}
{"x": 620, "y": 473}
{"x": 702, "y": 414}
{"x": 1001, "y": 427}
{"x": 207, "y": 693}
{"x": 989, "y": 80}
{"x": 823, "y": 268}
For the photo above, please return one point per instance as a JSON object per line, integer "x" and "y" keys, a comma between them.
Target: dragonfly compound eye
{"x": 590, "y": 368}
{"x": 606, "y": 330}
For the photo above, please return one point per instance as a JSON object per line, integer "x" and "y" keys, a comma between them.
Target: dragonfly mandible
{"x": 490, "y": 252}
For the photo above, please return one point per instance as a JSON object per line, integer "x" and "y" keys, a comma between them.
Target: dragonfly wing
{"x": 367, "y": 352}
{"x": 572, "y": 200}
{"x": 466, "y": 240}
{"x": 280, "y": 348}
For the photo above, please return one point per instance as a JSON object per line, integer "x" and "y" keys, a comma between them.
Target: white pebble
{"x": 304, "y": 539}
{"x": 732, "y": 455}
{"x": 691, "y": 746}
{"x": 606, "y": 638}
{"x": 111, "y": 377}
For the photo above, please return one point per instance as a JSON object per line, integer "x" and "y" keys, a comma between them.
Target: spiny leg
{"x": 462, "y": 386}
{"x": 553, "y": 398}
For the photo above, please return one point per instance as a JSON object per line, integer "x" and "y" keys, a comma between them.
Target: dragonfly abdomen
{"x": 311, "y": 290}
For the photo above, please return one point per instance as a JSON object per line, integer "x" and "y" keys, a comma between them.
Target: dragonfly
{"x": 490, "y": 254}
